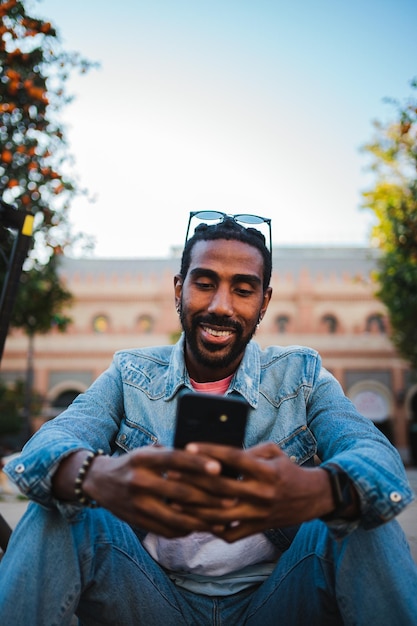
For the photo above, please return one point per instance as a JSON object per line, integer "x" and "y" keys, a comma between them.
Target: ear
{"x": 265, "y": 303}
{"x": 177, "y": 289}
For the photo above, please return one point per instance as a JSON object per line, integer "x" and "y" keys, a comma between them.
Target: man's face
{"x": 221, "y": 301}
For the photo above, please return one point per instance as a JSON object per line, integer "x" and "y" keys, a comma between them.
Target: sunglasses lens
{"x": 209, "y": 215}
{"x": 244, "y": 219}
{"x": 249, "y": 219}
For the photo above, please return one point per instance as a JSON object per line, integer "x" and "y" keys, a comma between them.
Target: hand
{"x": 273, "y": 491}
{"x": 152, "y": 488}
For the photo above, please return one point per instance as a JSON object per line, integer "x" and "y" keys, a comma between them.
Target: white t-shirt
{"x": 206, "y": 564}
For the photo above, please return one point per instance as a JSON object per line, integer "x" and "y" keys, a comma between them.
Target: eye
{"x": 203, "y": 285}
{"x": 244, "y": 291}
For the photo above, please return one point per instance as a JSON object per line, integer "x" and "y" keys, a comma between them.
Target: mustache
{"x": 219, "y": 321}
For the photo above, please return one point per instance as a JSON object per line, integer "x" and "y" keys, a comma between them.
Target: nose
{"x": 221, "y": 302}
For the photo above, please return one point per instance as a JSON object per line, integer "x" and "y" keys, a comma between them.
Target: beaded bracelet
{"x": 78, "y": 485}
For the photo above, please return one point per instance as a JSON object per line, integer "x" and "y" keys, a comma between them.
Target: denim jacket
{"x": 294, "y": 402}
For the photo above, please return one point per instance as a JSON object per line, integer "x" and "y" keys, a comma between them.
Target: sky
{"x": 241, "y": 106}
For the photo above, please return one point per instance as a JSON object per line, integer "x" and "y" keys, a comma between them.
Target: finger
{"x": 228, "y": 515}
{"x": 165, "y": 459}
{"x": 250, "y": 461}
{"x": 193, "y": 493}
{"x": 236, "y": 531}
{"x": 161, "y": 517}
{"x": 192, "y": 490}
{"x": 267, "y": 450}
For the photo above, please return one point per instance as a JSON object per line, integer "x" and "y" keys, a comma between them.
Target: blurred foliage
{"x": 41, "y": 301}
{"x": 34, "y": 159}
{"x": 393, "y": 200}
{"x": 12, "y": 399}
{"x": 35, "y": 174}
{"x": 175, "y": 336}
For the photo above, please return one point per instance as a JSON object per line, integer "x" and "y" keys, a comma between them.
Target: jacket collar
{"x": 246, "y": 380}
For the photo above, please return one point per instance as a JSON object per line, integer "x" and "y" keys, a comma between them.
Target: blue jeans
{"x": 97, "y": 568}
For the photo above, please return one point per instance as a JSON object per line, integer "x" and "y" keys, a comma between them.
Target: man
{"x": 145, "y": 534}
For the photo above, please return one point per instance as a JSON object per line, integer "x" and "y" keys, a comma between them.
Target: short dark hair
{"x": 231, "y": 230}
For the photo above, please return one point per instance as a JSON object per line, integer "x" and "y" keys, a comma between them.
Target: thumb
{"x": 266, "y": 451}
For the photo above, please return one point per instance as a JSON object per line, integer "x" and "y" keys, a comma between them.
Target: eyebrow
{"x": 251, "y": 279}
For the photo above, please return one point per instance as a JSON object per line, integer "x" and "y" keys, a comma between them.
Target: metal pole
{"x": 18, "y": 255}
{"x": 21, "y": 221}
{"x": 5, "y": 533}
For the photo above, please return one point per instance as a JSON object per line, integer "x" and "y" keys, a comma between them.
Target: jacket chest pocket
{"x": 131, "y": 437}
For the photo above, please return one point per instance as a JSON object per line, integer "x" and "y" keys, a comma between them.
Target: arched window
{"x": 65, "y": 398}
{"x": 281, "y": 323}
{"x": 330, "y": 323}
{"x": 61, "y": 395}
{"x": 375, "y": 324}
{"x": 145, "y": 324}
{"x": 101, "y": 324}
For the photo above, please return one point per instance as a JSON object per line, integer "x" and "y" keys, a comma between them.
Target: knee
{"x": 385, "y": 540}
{"x": 386, "y": 545}
{"x": 38, "y": 523}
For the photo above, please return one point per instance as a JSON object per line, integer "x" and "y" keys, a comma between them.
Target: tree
{"x": 34, "y": 163}
{"x": 42, "y": 302}
{"x": 12, "y": 409}
{"x": 10, "y": 403}
{"x": 33, "y": 149}
{"x": 393, "y": 200}
{"x": 33, "y": 152}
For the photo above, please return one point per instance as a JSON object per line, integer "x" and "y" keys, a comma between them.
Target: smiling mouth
{"x": 217, "y": 333}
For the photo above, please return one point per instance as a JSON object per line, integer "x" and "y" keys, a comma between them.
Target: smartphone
{"x": 212, "y": 419}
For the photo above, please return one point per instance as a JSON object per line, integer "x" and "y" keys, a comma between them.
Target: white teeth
{"x": 217, "y": 333}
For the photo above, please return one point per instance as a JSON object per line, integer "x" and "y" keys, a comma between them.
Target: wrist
{"x": 345, "y": 500}
{"x": 79, "y": 483}
{"x": 65, "y": 475}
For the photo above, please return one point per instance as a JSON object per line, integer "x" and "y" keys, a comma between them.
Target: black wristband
{"x": 82, "y": 497}
{"x": 341, "y": 491}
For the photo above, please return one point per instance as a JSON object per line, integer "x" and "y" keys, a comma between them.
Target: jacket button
{"x": 19, "y": 469}
{"x": 123, "y": 437}
{"x": 293, "y": 458}
{"x": 395, "y": 496}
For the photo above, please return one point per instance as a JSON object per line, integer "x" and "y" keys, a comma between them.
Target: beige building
{"x": 323, "y": 298}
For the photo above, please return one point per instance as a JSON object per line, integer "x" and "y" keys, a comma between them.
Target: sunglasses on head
{"x": 247, "y": 220}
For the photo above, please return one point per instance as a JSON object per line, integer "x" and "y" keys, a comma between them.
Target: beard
{"x": 208, "y": 354}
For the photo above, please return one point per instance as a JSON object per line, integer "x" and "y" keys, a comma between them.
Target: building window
{"x": 101, "y": 324}
{"x": 374, "y": 400}
{"x": 330, "y": 323}
{"x": 282, "y": 322}
{"x": 65, "y": 398}
{"x": 145, "y": 324}
{"x": 375, "y": 324}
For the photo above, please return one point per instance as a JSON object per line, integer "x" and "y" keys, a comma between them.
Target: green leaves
{"x": 393, "y": 201}
{"x": 41, "y": 300}
{"x": 34, "y": 159}
{"x": 33, "y": 153}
